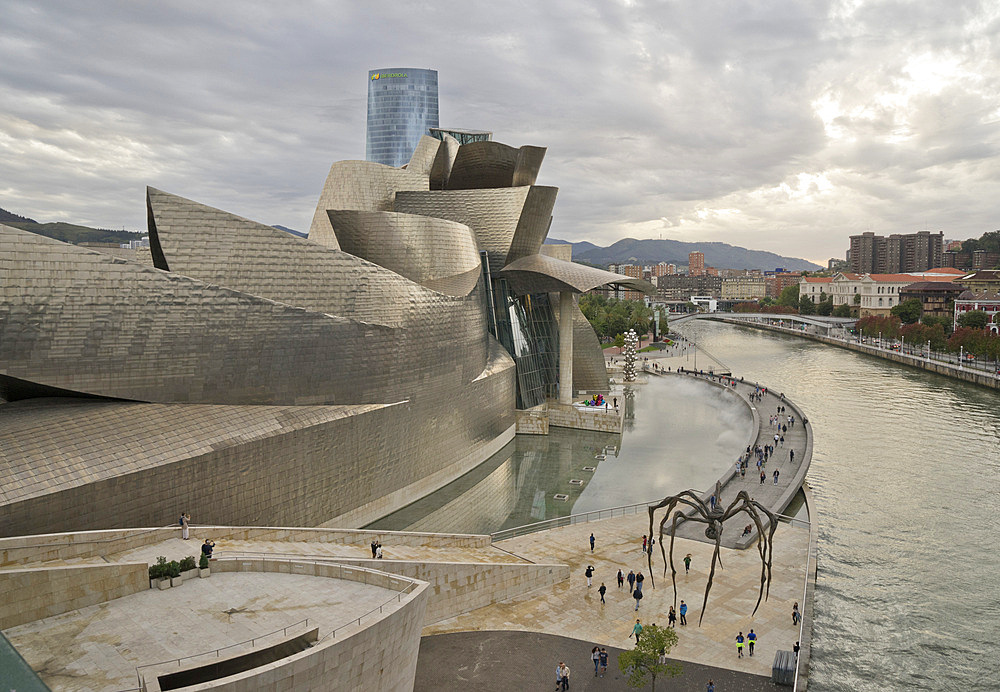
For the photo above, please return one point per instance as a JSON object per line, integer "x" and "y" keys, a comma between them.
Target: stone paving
{"x": 99, "y": 647}
{"x": 527, "y": 661}
{"x": 572, "y": 609}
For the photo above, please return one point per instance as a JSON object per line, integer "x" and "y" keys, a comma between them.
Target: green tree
{"x": 843, "y": 310}
{"x": 825, "y": 307}
{"x": 908, "y": 311}
{"x": 976, "y": 319}
{"x": 932, "y": 320}
{"x": 789, "y": 296}
{"x": 857, "y": 299}
{"x": 619, "y": 340}
{"x": 806, "y": 306}
{"x": 644, "y": 660}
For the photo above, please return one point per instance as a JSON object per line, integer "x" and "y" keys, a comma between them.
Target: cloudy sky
{"x": 782, "y": 126}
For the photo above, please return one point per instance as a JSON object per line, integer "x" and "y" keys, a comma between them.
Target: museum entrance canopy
{"x": 544, "y": 274}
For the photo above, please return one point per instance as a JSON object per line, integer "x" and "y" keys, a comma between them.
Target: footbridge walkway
{"x": 815, "y": 323}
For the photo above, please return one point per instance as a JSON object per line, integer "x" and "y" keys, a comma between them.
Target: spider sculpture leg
{"x": 711, "y": 573}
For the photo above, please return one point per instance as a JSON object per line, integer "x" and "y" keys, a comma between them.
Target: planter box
{"x": 205, "y": 573}
{"x": 189, "y": 574}
{"x": 163, "y": 584}
{"x": 176, "y": 581}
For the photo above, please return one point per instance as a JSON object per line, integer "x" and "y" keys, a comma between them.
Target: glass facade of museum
{"x": 525, "y": 325}
{"x": 402, "y": 107}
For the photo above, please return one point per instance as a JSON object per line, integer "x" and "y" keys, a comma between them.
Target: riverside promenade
{"x": 776, "y": 496}
{"x": 571, "y": 608}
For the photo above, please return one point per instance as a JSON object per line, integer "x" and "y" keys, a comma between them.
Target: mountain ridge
{"x": 650, "y": 251}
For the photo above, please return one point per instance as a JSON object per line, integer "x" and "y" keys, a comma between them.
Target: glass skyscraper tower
{"x": 402, "y": 106}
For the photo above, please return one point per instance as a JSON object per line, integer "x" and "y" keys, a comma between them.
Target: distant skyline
{"x": 783, "y": 127}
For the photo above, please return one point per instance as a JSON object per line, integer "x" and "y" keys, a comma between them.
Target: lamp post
{"x": 880, "y": 339}
{"x": 902, "y": 345}
{"x": 961, "y": 355}
{"x": 928, "y": 351}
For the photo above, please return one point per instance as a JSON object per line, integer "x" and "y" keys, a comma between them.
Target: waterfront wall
{"x": 983, "y": 379}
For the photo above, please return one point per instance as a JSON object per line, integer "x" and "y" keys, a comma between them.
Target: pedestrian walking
{"x": 562, "y": 676}
{"x": 710, "y": 687}
{"x": 590, "y": 573}
{"x": 791, "y": 455}
{"x": 185, "y": 526}
{"x": 751, "y": 640}
{"x": 776, "y": 472}
{"x": 796, "y": 615}
{"x": 739, "y": 644}
{"x": 378, "y": 551}
{"x": 687, "y": 563}
{"x": 631, "y": 581}
{"x": 591, "y": 542}
{"x": 374, "y": 547}
{"x": 621, "y": 579}
{"x": 672, "y": 618}
{"x": 639, "y": 578}
{"x": 684, "y": 613}
{"x": 603, "y": 590}
{"x": 637, "y": 630}
{"x": 604, "y": 661}
{"x": 595, "y": 654}
{"x": 644, "y": 543}
{"x": 763, "y": 476}
{"x": 637, "y": 595}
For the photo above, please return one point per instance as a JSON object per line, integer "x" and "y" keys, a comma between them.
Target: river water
{"x": 906, "y": 478}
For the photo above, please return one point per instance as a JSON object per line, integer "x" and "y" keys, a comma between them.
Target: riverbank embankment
{"x": 958, "y": 372}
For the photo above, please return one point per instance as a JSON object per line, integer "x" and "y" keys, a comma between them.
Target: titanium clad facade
{"x": 253, "y": 377}
{"x": 402, "y": 107}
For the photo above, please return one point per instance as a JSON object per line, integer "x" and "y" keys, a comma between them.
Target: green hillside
{"x": 70, "y": 233}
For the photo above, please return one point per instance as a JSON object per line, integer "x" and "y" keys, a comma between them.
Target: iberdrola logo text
{"x": 387, "y": 75}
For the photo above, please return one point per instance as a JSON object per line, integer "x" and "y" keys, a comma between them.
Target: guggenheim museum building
{"x": 258, "y": 378}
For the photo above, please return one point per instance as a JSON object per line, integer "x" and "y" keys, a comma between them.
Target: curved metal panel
{"x": 103, "y": 326}
{"x": 529, "y": 161}
{"x": 496, "y": 216}
{"x": 441, "y": 170}
{"x": 221, "y": 248}
{"x": 483, "y": 165}
{"x": 360, "y": 185}
{"x": 544, "y": 274}
{"x": 424, "y": 156}
{"x": 427, "y": 250}
{"x": 590, "y": 374}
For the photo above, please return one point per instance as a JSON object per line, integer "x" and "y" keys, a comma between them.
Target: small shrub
{"x": 173, "y": 569}
{"x": 187, "y": 563}
{"x": 203, "y": 563}
{"x": 159, "y": 570}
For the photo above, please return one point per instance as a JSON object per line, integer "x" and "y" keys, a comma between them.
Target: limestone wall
{"x": 378, "y": 654}
{"x": 458, "y": 587}
{"x": 83, "y": 544}
{"x": 599, "y": 420}
{"x": 27, "y": 595}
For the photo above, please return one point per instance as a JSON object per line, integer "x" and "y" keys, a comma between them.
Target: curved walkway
{"x": 791, "y": 474}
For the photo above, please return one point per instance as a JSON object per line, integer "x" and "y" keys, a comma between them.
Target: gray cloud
{"x": 780, "y": 126}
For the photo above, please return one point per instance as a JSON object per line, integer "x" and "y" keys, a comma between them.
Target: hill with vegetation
{"x": 68, "y": 232}
{"x": 651, "y": 251}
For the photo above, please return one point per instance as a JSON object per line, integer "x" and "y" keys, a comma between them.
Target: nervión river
{"x": 906, "y": 478}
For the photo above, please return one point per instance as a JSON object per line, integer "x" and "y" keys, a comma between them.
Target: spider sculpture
{"x": 714, "y": 518}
